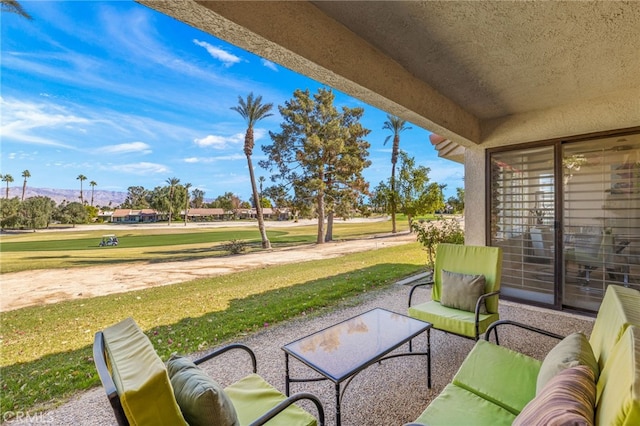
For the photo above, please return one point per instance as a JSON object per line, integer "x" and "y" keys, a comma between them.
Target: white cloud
{"x": 228, "y": 59}
{"x": 21, "y": 121}
{"x": 268, "y": 64}
{"x": 142, "y": 168}
{"x": 124, "y": 148}
{"x": 232, "y": 157}
{"x": 223, "y": 142}
{"x": 219, "y": 142}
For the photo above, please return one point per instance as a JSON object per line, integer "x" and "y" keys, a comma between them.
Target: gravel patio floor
{"x": 390, "y": 393}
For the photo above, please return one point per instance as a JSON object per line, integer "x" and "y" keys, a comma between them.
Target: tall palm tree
{"x": 397, "y": 126}
{"x": 14, "y": 7}
{"x": 93, "y": 188}
{"x": 8, "y": 179}
{"x": 253, "y": 110}
{"x": 81, "y": 178}
{"x": 172, "y": 184}
{"x": 186, "y": 207}
{"x": 25, "y": 175}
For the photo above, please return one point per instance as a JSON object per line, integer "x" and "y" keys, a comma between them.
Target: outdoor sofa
{"x": 580, "y": 381}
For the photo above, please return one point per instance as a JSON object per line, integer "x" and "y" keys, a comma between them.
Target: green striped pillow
{"x": 568, "y": 398}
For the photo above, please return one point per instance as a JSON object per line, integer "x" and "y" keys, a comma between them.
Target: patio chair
{"x": 465, "y": 291}
{"x": 143, "y": 391}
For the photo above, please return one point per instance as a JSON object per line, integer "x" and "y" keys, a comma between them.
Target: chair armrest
{"x": 477, "y": 312}
{"x": 413, "y": 288}
{"x": 495, "y": 325}
{"x": 224, "y": 349}
{"x": 286, "y": 403}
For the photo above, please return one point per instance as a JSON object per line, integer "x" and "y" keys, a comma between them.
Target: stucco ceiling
{"x": 476, "y": 72}
{"x": 501, "y": 58}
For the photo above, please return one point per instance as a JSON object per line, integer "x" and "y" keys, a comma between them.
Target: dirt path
{"x": 39, "y": 287}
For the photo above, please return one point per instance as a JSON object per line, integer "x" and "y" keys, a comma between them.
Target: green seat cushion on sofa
{"x": 500, "y": 375}
{"x": 620, "y": 308}
{"x": 618, "y": 397}
{"x": 252, "y": 397}
{"x": 458, "y": 406}
{"x": 571, "y": 351}
{"x": 200, "y": 398}
{"x": 140, "y": 377}
{"x": 451, "y": 320}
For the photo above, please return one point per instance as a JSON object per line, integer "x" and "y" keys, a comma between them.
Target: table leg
{"x": 429, "y": 358}
{"x": 338, "y": 419}
{"x": 286, "y": 377}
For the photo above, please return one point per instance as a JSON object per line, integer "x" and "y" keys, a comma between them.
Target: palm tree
{"x": 7, "y": 178}
{"x": 397, "y": 126}
{"x": 93, "y": 188}
{"x": 14, "y": 7}
{"x": 25, "y": 175}
{"x": 81, "y": 178}
{"x": 172, "y": 184}
{"x": 186, "y": 207}
{"x": 253, "y": 110}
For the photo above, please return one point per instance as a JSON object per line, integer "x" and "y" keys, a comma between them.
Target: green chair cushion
{"x": 567, "y": 399}
{"x": 201, "y": 399}
{"x": 500, "y": 375}
{"x": 468, "y": 259}
{"x": 458, "y": 406}
{"x": 252, "y": 396}
{"x": 462, "y": 291}
{"x": 451, "y": 320}
{"x": 618, "y": 388}
{"x": 620, "y": 307}
{"x": 571, "y": 351}
{"x": 140, "y": 377}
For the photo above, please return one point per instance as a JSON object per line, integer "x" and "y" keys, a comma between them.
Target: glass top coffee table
{"x": 338, "y": 353}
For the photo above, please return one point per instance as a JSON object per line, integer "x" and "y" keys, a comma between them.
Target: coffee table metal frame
{"x": 383, "y": 317}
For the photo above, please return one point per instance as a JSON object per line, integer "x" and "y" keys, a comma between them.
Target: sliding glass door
{"x": 567, "y": 215}
{"x": 522, "y": 221}
{"x": 601, "y": 225}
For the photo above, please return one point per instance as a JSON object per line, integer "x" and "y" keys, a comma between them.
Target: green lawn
{"x": 46, "y": 350}
{"x": 51, "y": 250}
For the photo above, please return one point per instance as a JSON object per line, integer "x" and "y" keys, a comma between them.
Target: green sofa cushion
{"x": 451, "y": 320}
{"x": 567, "y": 399}
{"x": 506, "y": 378}
{"x": 467, "y": 259}
{"x": 618, "y": 398}
{"x": 201, "y": 399}
{"x": 620, "y": 307}
{"x": 458, "y": 406}
{"x": 462, "y": 291}
{"x": 252, "y": 397}
{"x": 571, "y": 351}
{"x": 140, "y": 377}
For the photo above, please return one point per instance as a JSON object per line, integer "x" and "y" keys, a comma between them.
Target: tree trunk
{"x": 393, "y": 199}
{"x": 329, "y": 235}
{"x": 320, "y": 200}
{"x": 266, "y": 244}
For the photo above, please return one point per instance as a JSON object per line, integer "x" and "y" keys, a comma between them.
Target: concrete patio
{"x": 390, "y": 393}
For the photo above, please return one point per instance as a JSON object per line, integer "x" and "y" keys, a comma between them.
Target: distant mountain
{"x": 100, "y": 197}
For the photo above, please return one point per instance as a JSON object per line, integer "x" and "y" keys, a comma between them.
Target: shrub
{"x": 431, "y": 233}
{"x": 236, "y": 246}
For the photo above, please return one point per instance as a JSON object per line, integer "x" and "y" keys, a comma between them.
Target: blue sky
{"x": 129, "y": 97}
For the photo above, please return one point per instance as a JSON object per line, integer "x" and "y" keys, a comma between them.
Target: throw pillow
{"x": 568, "y": 398}
{"x": 571, "y": 351}
{"x": 201, "y": 400}
{"x": 461, "y": 291}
